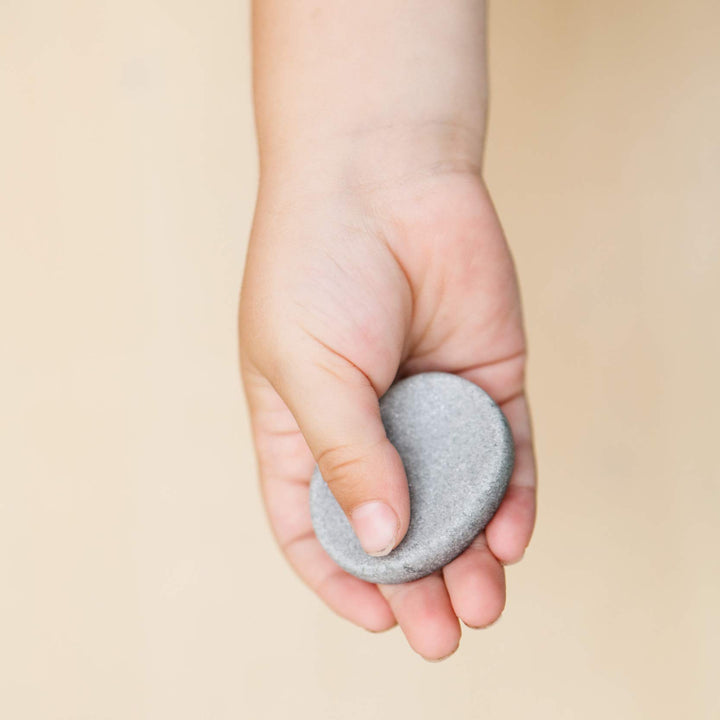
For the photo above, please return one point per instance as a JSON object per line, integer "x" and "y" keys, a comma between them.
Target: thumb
{"x": 337, "y": 410}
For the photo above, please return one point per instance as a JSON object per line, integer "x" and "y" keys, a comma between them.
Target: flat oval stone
{"x": 458, "y": 453}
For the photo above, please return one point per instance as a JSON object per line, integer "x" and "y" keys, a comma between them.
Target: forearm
{"x": 366, "y": 91}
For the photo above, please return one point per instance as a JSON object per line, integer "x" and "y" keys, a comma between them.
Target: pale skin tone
{"x": 376, "y": 253}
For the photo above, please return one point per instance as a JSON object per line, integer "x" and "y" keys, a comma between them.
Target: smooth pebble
{"x": 458, "y": 453}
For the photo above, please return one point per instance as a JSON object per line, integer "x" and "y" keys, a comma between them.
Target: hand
{"x": 344, "y": 291}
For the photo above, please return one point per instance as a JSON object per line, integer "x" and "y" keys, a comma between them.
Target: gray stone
{"x": 458, "y": 454}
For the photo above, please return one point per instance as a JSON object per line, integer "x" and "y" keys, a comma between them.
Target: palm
{"x": 424, "y": 282}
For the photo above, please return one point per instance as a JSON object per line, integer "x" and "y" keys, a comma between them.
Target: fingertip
{"x": 484, "y": 612}
{"x": 377, "y": 527}
{"x": 424, "y": 612}
{"x": 380, "y": 622}
{"x": 509, "y": 532}
{"x": 357, "y": 601}
{"x": 380, "y": 627}
{"x": 476, "y": 584}
{"x": 379, "y": 618}
{"x": 437, "y": 638}
{"x": 440, "y": 653}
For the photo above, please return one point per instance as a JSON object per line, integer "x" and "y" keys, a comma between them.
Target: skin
{"x": 376, "y": 253}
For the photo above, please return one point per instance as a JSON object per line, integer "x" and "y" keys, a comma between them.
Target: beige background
{"x": 137, "y": 576}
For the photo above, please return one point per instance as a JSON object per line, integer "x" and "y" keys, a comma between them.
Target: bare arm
{"x": 362, "y": 91}
{"x": 376, "y": 253}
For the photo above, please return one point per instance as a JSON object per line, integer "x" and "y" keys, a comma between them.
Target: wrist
{"x": 368, "y": 159}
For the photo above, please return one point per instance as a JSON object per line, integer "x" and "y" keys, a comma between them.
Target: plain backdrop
{"x": 138, "y": 578}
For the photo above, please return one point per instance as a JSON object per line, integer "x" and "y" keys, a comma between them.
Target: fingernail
{"x": 376, "y": 526}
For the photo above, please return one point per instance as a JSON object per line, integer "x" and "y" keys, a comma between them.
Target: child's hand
{"x": 344, "y": 291}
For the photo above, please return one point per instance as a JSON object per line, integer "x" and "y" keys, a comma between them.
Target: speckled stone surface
{"x": 458, "y": 454}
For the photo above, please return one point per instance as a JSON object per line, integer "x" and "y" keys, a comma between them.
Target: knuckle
{"x": 343, "y": 466}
